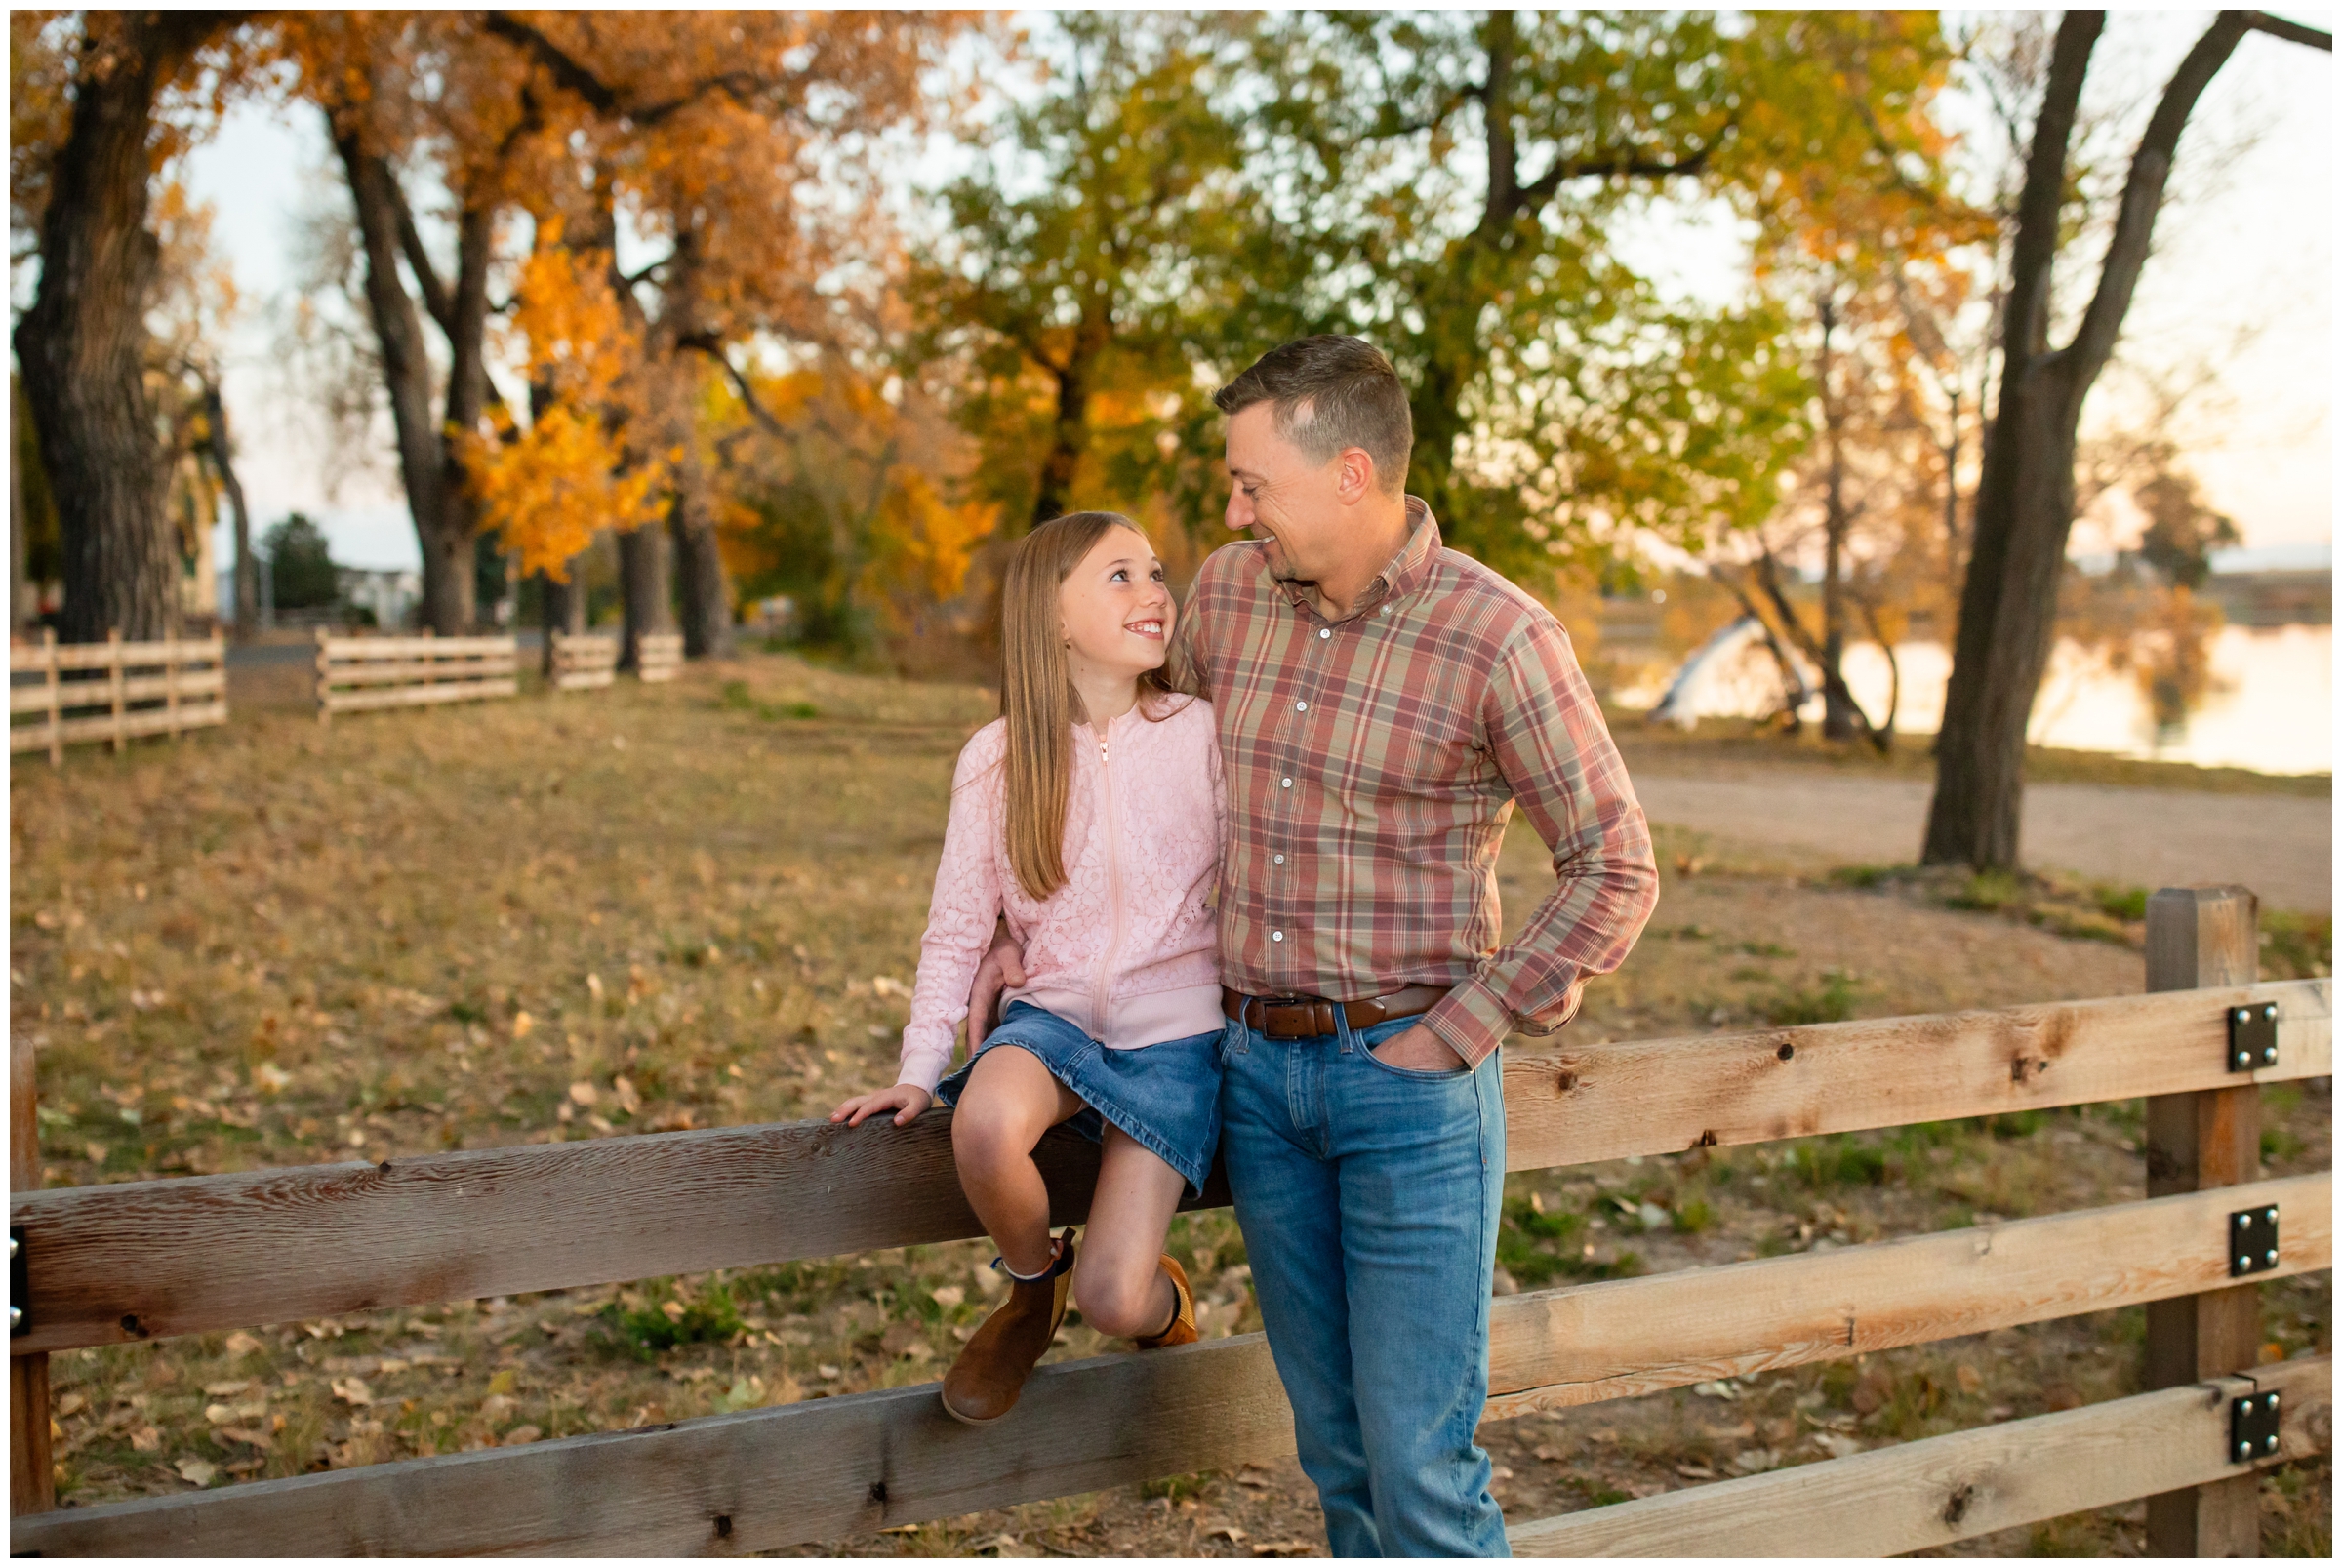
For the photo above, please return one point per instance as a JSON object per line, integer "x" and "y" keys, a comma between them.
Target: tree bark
{"x": 703, "y": 584}
{"x": 2024, "y": 507}
{"x": 440, "y": 522}
{"x": 564, "y": 604}
{"x": 83, "y": 344}
{"x": 218, "y": 450}
{"x": 642, "y": 580}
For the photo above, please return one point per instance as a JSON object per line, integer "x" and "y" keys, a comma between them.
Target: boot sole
{"x": 970, "y": 1421}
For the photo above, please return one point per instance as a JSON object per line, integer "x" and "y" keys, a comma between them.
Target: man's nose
{"x": 1238, "y": 515}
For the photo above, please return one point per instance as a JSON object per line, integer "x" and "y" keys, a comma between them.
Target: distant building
{"x": 388, "y": 594}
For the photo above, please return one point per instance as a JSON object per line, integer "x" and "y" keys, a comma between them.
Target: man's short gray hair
{"x": 1330, "y": 393}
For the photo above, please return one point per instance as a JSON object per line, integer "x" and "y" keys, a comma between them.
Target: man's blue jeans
{"x": 1369, "y": 1196}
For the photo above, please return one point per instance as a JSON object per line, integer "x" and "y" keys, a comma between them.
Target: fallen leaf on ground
{"x": 200, "y": 1472}
{"x": 585, "y": 1094}
{"x": 1971, "y": 1380}
{"x": 949, "y": 1296}
{"x": 352, "y": 1391}
{"x": 1837, "y": 1445}
{"x": 1229, "y": 1531}
{"x": 496, "y": 1407}
{"x": 72, "y": 1404}
{"x": 1282, "y": 1548}
{"x": 146, "y": 1439}
{"x": 1005, "y": 1545}
{"x": 1754, "y": 1460}
{"x": 243, "y": 1434}
{"x": 1695, "y": 1472}
{"x": 219, "y": 1391}
{"x": 242, "y": 1343}
{"x": 217, "y": 1414}
{"x": 521, "y": 1434}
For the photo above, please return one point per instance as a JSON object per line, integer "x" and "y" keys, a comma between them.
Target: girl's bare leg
{"x": 1119, "y": 1280}
{"x": 1010, "y": 1102}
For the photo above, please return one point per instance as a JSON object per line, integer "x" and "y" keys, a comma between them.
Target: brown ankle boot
{"x": 1183, "y": 1329}
{"x": 984, "y": 1384}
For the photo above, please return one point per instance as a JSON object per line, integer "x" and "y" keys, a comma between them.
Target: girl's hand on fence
{"x": 906, "y": 1100}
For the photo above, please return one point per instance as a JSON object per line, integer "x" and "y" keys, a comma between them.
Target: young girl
{"x": 1089, "y": 816}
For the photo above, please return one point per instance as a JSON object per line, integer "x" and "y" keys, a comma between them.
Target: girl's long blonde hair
{"x": 1037, "y": 695}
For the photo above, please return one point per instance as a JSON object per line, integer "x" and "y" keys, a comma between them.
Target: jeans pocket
{"x": 1235, "y": 1040}
{"x": 1368, "y": 1039}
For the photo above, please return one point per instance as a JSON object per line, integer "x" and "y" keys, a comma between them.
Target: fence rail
{"x": 159, "y": 1258}
{"x": 658, "y": 656}
{"x": 584, "y": 663}
{"x": 355, "y": 674}
{"x": 186, "y": 691}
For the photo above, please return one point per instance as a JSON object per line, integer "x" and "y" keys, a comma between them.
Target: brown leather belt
{"x": 1305, "y": 1018}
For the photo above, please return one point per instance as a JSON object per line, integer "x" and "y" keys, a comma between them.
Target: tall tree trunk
{"x": 564, "y": 604}
{"x": 442, "y": 524}
{"x": 642, "y": 581}
{"x": 83, "y": 344}
{"x": 217, "y": 449}
{"x": 703, "y": 584}
{"x": 1839, "y": 712}
{"x": 2024, "y": 507}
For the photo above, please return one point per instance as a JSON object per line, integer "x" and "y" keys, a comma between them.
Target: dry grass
{"x": 617, "y": 911}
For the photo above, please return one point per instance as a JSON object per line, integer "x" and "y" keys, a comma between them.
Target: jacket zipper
{"x": 1113, "y": 888}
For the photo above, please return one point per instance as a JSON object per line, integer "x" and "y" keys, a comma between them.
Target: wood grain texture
{"x": 134, "y": 1260}
{"x": 810, "y": 1471}
{"x": 140, "y": 1260}
{"x": 2210, "y": 1139}
{"x": 342, "y": 649}
{"x": 1939, "y": 1490}
{"x": 1586, "y": 1102}
{"x": 724, "y": 1485}
{"x": 31, "y": 1481}
{"x": 103, "y": 726}
{"x": 138, "y": 689}
{"x": 466, "y": 691}
{"x": 389, "y": 674}
{"x": 1607, "y": 1341}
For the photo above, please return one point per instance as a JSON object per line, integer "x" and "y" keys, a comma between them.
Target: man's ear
{"x": 1354, "y": 481}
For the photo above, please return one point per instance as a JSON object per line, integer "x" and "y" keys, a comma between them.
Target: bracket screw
{"x": 2269, "y": 1215}
{"x": 2268, "y": 1445}
{"x": 2269, "y": 1256}
{"x": 2244, "y": 1059}
{"x": 2244, "y": 1451}
{"x": 2273, "y": 1401}
{"x": 16, "y": 1315}
{"x": 2245, "y": 1261}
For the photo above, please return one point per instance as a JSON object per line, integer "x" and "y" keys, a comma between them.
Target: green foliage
{"x": 1832, "y": 1003}
{"x": 1537, "y": 1247}
{"x": 1693, "y": 1216}
{"x": 2296, "y": 946}
{"x": 301, "y": 565}
{"x": 1827, "y": 1162}
{"x": 643, "y": 1333}
{"x": 736, "y": 698}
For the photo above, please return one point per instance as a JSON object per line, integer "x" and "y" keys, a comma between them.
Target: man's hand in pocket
{"x": 1418, "y": 1049}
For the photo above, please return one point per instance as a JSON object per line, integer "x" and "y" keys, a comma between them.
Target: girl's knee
{"x": 1120, "y": 1305}
{"x": 989, "y": 1134}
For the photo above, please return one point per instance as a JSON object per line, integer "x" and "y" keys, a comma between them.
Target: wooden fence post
{"x": 170, "y": 652}
{"x": 57, "y": 718}
{"x": 113, "y": 677}
{"x": 31, "y": 1481}
{"x": 325, "y": 679}
{"x": 2203, "y": 936}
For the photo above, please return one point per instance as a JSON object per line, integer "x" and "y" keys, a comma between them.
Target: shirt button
{"x": 1301, "y": 708}
{"x": 1288, "y": 784}
{"x": 1326, "y": 632}
{"x": 1276, "y": 936}
{"x": 1280, "y": 860}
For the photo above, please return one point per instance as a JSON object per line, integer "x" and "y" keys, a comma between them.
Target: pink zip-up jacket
{"x": 1129, "y": 948}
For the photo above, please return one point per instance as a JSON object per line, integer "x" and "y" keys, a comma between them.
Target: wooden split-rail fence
{"x": 150, "y": 1260}
{"x": 582, "y": 664}
{"x": 658, "y": 656}
{"x": 112, "y": 691}
{"x": 354, "y": 674}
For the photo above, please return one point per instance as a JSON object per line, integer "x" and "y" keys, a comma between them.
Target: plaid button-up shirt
{"x": 1372, "y": 764}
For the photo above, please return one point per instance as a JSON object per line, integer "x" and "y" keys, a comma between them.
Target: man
{"x": 1382, "y": 702}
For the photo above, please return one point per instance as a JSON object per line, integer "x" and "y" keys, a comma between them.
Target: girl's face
{"x": 1116, "y": 609}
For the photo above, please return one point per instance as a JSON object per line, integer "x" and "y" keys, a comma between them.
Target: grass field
{"x": 699, "y": 904}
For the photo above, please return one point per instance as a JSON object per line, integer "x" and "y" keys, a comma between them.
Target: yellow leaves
{"x": 547, "y": 489}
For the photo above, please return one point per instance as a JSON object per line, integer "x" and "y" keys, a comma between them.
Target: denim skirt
{"x": 1166, "y": 1096}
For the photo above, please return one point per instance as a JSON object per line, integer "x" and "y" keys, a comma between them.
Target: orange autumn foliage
{"x": 546, "y": 490}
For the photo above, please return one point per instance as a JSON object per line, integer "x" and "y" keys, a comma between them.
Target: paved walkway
{"x": 2280, "y": 846}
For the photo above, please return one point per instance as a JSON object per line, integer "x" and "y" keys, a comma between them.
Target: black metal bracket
{"x": 19, "y": 1283}
{"x": 2252, "y": 1427}
{"x": 2251, "y": 1241}
{"x": 2253, "y": 1036}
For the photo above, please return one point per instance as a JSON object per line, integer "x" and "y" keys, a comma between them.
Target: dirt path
{"x": 2280, "y": 846}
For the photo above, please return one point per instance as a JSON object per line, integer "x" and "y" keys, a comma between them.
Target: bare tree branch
{"x": 2292, "y": 32}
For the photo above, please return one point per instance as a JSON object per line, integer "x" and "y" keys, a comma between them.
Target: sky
{"x": 2245, "y": 250}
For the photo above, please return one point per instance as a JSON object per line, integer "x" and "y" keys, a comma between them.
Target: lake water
{"x": 2270, "y": 708}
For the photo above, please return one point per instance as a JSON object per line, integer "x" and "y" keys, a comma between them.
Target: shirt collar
{"x": 1400, "y": 576}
